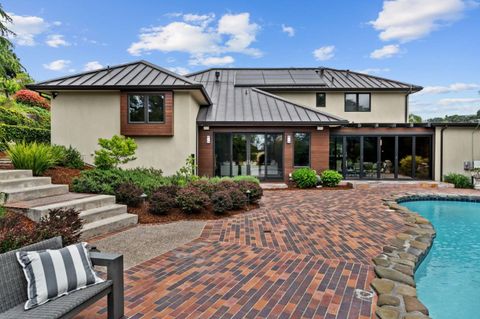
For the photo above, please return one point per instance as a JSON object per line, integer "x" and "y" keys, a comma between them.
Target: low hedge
{"x": 305, "y": 177}
{"x": 14, "y": 133}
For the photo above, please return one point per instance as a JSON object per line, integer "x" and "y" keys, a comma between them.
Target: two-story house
{"x": 263, "y": 122}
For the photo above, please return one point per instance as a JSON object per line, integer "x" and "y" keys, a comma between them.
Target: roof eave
{"x": 275, "y": 123}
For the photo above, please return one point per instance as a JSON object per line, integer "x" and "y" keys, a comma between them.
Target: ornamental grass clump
{"x": 37, "y": 157}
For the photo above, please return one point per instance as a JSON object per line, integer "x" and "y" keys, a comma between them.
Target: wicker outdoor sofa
{"x": 13, "y": 287}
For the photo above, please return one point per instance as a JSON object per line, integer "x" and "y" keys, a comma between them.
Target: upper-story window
{"x": 146, "y": 108}
{"x": 357, "y": 102}
{"x": 321, "y": 100}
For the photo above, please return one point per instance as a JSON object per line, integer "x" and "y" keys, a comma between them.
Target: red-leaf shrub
{"x": 60, "y": 222}
{"x": 31, "y": 98}
{"x": 221, "y": 201}
{"x": 160, "y": 203}
{"x": 253, "y": 191}
{"x": 129, "y": 194}
{"x": 204, "y": 186}
{"x": 170, "y": 190}
{"x": 239, "y": 199}
{"x": 191, "y": 199}
{"x": 15, "y": 232}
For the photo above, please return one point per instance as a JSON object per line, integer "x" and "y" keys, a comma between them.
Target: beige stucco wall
{"x": 457, "y": 148}
{"x": 79, "y": 119}
{"x": 386, "y": 107}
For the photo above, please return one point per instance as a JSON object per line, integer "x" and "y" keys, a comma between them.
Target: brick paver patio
{"x": 301, "y": 255}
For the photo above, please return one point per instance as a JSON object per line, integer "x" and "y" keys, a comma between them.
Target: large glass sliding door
{"x": 259, "y": 155}
{"x": 382, "y": 157}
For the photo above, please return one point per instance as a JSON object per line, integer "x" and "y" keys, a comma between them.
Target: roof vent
{"x": 217, "y": 76}
{"x": 348, "y": 73}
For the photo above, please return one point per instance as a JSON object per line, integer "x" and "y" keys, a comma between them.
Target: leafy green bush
{"x": 160, "y": 203}
{"x": 69, "y": 157}
{"x": 253, "y": 191}
{"x": 239, "y": 199}
{"x": 247, "y": 178}
{"x": 330, "y": 178}
{"x": 459, "y": 180}
{"x": 305, "y": 177}
{"x": 11, "y": 116}
{"x": 35, "y": 156}
{"x": 13, "y": 133}
{"x": 222, "y": 201}
{"x": 191, "y": 199}
{"x": 115, "y": 151}
{"x": 129, "y": 194}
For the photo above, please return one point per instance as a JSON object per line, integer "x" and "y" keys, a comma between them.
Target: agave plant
{"x": 35, "y": 156}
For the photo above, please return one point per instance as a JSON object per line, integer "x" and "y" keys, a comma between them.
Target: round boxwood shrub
{"x": 252, "y": 190}
{"x": 459, "y": 180}
{"x": 204, "y": 186}
{"x": 129, "y": 194}
{"x": 170, "y": 190}
{"x": 330, "y": 178}
{"x": 305, "y": 177}
{"x": 239, "y": 199}
{"x": 191, "y": 199}
{"x": 222, "y": 201}
{"x": 160, "y": 203}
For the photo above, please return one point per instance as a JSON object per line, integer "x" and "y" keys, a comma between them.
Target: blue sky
{"x": 433, "y": 43}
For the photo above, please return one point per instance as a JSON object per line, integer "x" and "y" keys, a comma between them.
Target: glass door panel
{"x": 387, "y": 157}
{"x": 336, "y": 154}
{"x": 405, "y": 160}
{"x": 370, "y": 154}
{"x": 423, "y": 167}
{"x": 257, "y": 155}
{"x": 353, "y": 156}
{"x": 239, "y": 154}
{"x": 274, "y": 160}
{"x": 222, "y": 154}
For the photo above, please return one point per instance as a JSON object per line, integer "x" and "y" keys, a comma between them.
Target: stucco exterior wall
{"x": 457, "y": 148}
{"x": 386, "y": 107}
{"x": 79, "y": 119}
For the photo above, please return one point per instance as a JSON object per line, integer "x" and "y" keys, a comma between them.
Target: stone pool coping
{"x": 395, "y": 266}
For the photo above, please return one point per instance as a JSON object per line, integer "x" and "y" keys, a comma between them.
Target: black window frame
{"x": 309, "y": 149}
{"x": 146, "y": 108}
{"x": 324, "y": 99}
{"x": 357, "y": 94}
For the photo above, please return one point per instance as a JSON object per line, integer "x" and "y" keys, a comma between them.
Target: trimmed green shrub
{"x": 11, "y": 116}
{"x": 129, "y": 194}
{"x": 115, "y": 151}
{"x": 247, "y": 178}
{"x": 253, "y": 191}
{"x": 239, "y": 199}
{"x": 191, "y": 199}
{"x": 459, "y": 180}
{"x": 160, "y": 203}
{"x": 12, "y": 133}
{"x": 35, "y": 156}
{"x": 330, "y": 178}
{"x": 305, "y": 177}
{"x": 221, "y": 201}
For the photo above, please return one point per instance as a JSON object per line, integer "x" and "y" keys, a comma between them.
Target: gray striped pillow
{"x": 53, "y": 273}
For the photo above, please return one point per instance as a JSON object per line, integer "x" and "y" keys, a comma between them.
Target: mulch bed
{"x": 63, "y": 175}
{"x": 176, "y": 214}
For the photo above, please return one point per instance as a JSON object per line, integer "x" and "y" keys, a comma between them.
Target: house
{"x": 263, "y": 122}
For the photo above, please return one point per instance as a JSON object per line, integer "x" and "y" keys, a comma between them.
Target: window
{"x": 301, "y": 149}
{"x": 148, "y": 108}
{"x": 357, "y": 102}
{"x": 320, "y": 99}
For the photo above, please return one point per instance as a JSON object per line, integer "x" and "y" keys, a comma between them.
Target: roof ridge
{"x": 296, "y": 104}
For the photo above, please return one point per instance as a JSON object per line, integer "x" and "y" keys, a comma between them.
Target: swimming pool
{"x": 448, "y": 279}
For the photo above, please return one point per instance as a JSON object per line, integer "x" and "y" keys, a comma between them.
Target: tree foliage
{"x": 456, "y": 118}
{"x": 115, "y": 151}
{"x": 412, "y": 118}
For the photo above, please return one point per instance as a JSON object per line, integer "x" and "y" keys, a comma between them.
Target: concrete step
{"x": 14, "y": 173}
{"x": 82, "y": 204}
{"x": 99, "y": 213}
{"x": 9, "y": 184}
{"x": 108, "y": 225}
{"x": 26, "y": 193}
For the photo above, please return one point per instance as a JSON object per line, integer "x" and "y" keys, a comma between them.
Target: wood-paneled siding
{"x": 147, "y": 129}
{"x": 319, "y": 147}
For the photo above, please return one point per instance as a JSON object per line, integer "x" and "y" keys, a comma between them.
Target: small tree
{"x": 412, "y": 118}
{"x": 115, "y": 151}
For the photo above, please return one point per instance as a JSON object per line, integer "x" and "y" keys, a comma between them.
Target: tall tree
{"x": 412, "y": 118}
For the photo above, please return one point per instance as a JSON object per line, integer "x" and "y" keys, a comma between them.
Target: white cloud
{"x": 56, "y": 40}
{"x": 386, "y": 51}
{"x": 57, "y": 65}
{"x": 26, "y": 28}
{"x": 374, "y": 70}
{"x": 449, "y": 106}
{"x": 290, "y": 31}
{"x": 196, "y": 35}
{"x": 92, "y": 65}
{"x": 324, "y": 53}
{"x": 406, "y": 20}
{"x": 179, "y": 70}
{"x": 454, "y": 87}
{"x": 458, "y": 101}
{"x": 213, "y": 60}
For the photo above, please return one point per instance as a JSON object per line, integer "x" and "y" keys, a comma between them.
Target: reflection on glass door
{"x": 222, "y": 154}
{"x": 239, "y": 154}
{"x": 370, "y": 153}
{"x": 387, "y": 157}
{"x": 257, "y": 155}
{"x": 274, "y": 159}
{"x": 353, "y": 157}
{"x": 423, "y": 168}
{"x": 405, "y": 157}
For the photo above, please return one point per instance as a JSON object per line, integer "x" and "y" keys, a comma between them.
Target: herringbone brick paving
{"x": 302, "y": 254}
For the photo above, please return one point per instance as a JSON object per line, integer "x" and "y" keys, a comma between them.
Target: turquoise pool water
{"x": 448, "y": 280}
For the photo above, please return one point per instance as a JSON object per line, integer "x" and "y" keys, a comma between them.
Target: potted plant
{"x": 476, "y": 178}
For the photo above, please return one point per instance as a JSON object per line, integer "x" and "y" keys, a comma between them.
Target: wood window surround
{"x": 148, "y": 117}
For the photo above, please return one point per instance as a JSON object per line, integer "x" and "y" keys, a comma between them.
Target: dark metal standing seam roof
{"x": 235, "y": 105}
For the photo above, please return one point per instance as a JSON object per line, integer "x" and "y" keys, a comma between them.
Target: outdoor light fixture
{"x": 206, "y": 128}
{"x": 289, "y": 139}
{"x": 319, "y": 128}
{"x": 208, "y": 139}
